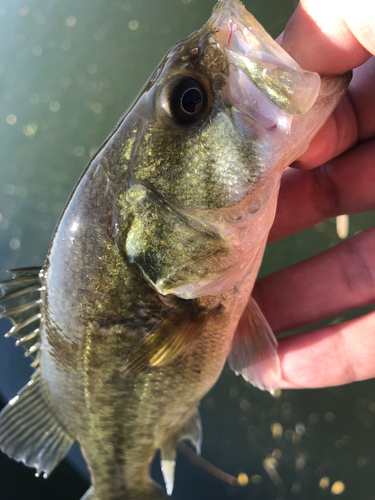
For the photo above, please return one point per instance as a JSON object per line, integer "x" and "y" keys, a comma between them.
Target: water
{"x": 69, "y": 69}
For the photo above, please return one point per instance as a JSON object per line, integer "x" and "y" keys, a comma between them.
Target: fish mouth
{"x": 258, "y": 61}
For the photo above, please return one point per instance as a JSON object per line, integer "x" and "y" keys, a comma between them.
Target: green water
{"x": 68, "y": 71}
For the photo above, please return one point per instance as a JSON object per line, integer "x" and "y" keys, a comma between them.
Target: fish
{"x": 146, "y": 287}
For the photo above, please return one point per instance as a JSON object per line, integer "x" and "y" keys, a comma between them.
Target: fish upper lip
{"x": 251, "y": 49}
{"x": 238, "y": 31}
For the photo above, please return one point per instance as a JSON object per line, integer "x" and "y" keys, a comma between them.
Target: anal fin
{"x": 191, "y": 430}
{"x": 30, "y": 432}
{"x": 254, "y": 350}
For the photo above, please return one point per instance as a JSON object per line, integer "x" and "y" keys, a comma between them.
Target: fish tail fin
{"x": 30, "y": 432}
{"x": 21, "y": 303}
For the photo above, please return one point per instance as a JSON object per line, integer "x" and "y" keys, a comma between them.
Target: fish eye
{"x": 188, "y": 101}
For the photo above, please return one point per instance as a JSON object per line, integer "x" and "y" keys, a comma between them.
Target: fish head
{"x": 223, "y": 114}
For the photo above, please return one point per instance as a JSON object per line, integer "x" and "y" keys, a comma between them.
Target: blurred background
{"x": 68, "y": 71}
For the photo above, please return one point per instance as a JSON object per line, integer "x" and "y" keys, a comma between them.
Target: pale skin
{"x": 335, "y": 176}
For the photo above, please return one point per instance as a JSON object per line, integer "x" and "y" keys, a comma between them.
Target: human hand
{"x": 329, "y": 37}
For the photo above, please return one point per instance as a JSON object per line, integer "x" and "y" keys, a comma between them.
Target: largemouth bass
{"x": 145, "y": 291}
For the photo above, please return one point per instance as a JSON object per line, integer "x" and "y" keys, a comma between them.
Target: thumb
{"x": 331, "y": 36}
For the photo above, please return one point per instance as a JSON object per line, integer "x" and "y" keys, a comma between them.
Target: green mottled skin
{"x": 97, "y": 305}
{"x": 227, "y": 160}
{"x": 97, "y": 308}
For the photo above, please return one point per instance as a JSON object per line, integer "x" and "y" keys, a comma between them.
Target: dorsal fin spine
{"x": 21, "y": 302}
{"x": 33, "y": 349}
{"x": 16, "y": 328}
{"x": 20, "y": 308}
{"x": 28, "y": 289}
{"x": 28, "y": 337}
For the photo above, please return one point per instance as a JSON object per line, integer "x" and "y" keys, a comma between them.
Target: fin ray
{"x": 21, "y": 272}
{"x": 21, "y": 311}
{"x": 27, "y": 338}
{"x": 21, "y": 301}
{"x": 30, "y": 433}
{"x": 254, "y": 350}
{"x": 20, "y": 295}
{"x": 16, "y": 284}
{"x": 167, "y": 340}
{"x": 191, "y": 430}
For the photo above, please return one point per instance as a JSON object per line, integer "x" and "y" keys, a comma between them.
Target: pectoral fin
{"x": 192, "y": 430}
{"x": 30, "y": 432}
{"x": 167, "y": 340}
{"x": 254, "y": 350}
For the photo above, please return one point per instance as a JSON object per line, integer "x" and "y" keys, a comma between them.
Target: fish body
{"x": 145, "y": 289}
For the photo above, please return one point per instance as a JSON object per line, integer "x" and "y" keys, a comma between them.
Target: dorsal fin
{"x": 21, "y": 303}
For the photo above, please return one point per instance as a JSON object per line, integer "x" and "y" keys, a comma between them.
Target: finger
{"x": 337, "y": 280}
{"x": 331, "y": 36}
{"x": 331, "y": 356}
{"x": 339, "y": 133}
{"x": 352, "y": 121}
{"x": 344, "y": 185}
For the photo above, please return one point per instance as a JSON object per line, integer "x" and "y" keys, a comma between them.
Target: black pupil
{"x": 192, "y": 101}
{"x": 188, "y": 101}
